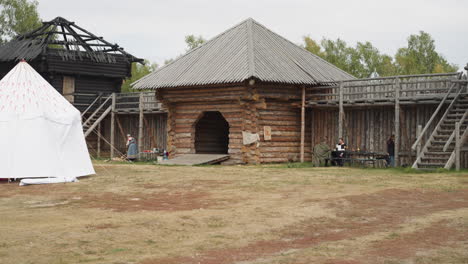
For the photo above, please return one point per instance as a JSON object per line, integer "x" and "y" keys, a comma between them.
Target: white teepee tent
{"x": 40, "y": 131}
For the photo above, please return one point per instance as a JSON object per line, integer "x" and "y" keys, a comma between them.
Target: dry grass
{"x": 238, "y": 214}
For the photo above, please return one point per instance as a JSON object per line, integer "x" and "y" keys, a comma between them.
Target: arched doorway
{"x": 212, "y": 134}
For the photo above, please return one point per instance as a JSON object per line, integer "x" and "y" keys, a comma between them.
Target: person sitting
{"x": 132, "y": 149}
{"x": 340, "y": 148}
{"x": 321, "y": 153}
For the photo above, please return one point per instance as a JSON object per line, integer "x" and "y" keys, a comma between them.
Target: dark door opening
{"x": 212, "y": 134}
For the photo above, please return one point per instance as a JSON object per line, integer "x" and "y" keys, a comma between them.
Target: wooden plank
{"x": 397, "y": 122}
{"x": 418, "y": 133}
{"x": 140, "y": 124}
{"x": 98, "y": 153}
{"x": 457, "y": 146}
{"x": 112, "y": 127}
{"x": 341, "y": 112}
{"x": 302, "y": 124}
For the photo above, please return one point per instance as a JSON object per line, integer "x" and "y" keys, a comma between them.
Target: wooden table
{"x": 362, "y": 158}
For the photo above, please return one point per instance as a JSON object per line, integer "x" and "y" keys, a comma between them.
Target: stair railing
{"x": 434, "y": 132}
{"x": 452, "y": 136}
{"x": 428, "y": 124}
{"x": 94, "y": 125}
{"x": 451, "y": 160}
{"x": 97, "y": 111}
{"x": 92, "y": 104}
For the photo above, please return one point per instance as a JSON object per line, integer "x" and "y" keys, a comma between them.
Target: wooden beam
{"x": 397, "y": 122}
{"x": 341, "y": 111}
{"x": 140, "y": 124}
{"x": 98, "y": 153}
{"x": 457, "y": 146}
{"x": 112, "y": 127}
{"x": 302, "y": 123}
{"x": 418, "y": 148}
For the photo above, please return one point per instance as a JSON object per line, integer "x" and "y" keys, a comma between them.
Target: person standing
{"x": 132, "y": 149}
{"x": 391, "y": 150}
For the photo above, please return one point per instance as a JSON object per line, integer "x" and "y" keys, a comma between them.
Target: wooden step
{"x": 455, "y": 114}
{"x": 444, "y": 159}
{"x": 432, "y": 164}
{"x": 438, "y": 148}
{"x": 440, "y": 153}
{"x": 440, "y": 142}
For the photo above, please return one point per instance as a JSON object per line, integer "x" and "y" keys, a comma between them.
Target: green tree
{"x": 364, "y": 59}
{"x": 193, "y": 41}
{"x": 420, "y": 56}
{"x": 138, "y": 71}
{"x": 17, "y": 17}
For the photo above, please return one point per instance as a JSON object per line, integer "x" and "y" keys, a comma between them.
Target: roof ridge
{"x": 250, "y": 50}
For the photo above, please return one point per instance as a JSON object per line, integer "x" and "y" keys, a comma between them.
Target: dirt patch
{"x": 199, "y": 184}
{"x": 12, "y": 189}
{"x": 401, "y": 247}
{"x": 163, "y": 201}
{"x": 339, "y": 261}
{"x": 358, "y": 215}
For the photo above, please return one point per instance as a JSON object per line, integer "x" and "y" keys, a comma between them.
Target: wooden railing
{"x": 125, "y": 102}
{"x": 385, "y": 89}
{"x": 131, "y": 102}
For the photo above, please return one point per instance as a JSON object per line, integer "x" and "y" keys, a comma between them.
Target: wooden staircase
{"x": 439, "y": 149}
{"x": 90, "y": 123}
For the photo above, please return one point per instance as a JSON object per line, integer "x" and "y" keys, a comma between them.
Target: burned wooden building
{"x": 89, "y": 71}
{"x": 76, "y": 62}
{"x": 260, "y": 98}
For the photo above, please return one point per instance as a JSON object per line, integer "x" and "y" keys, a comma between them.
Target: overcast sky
{"x": 155, "y": 29}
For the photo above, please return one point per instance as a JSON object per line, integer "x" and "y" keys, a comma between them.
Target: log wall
{"x": 246, "y": 108}
{"x": 182, "y": 120}
{"x": 369, "y": 128}
{"x": 285, "y": 122}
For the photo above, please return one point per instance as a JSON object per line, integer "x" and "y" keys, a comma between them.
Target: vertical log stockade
{"x": 397, "y": 122}
{"x": 302, "y": 123}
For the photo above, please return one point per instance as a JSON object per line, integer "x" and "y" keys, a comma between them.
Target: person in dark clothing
{"x": 391, "y": 151}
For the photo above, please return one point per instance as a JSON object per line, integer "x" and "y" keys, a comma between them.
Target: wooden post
{"x": 311, "y": 131}
{"x": 302, "y": 123}
{"x": 397, "y": 122}
{"x": 418, "y": 133}
{"x": 341, "y": 111}
{"x": 98, "y": 153}
{"x": 457, "y": 146}
{"x": 140, "y": 125}
{"x": 112, "y": 128}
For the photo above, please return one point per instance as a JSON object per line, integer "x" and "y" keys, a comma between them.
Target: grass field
{"x": 150, "y": 214}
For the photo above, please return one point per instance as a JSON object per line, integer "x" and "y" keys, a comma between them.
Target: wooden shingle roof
{"x": 247, "y": 50}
